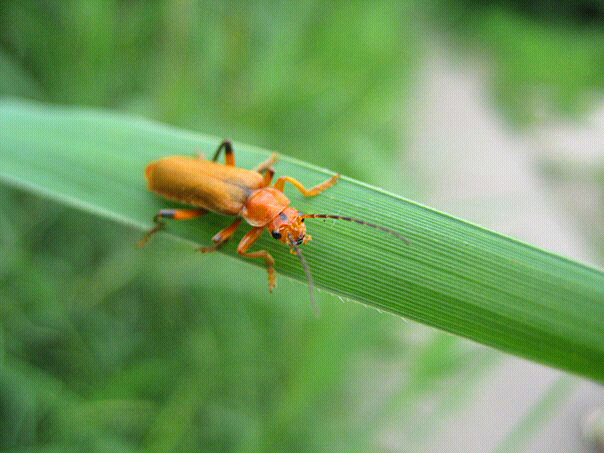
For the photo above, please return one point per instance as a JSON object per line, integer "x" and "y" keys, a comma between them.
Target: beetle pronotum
{"x": 246, "y": 194}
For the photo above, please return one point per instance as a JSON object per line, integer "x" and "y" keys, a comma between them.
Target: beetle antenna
{"x": 311, "y": 286}
{"x": 359, "y": 221}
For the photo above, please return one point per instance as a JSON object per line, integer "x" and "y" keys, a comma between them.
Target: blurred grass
{"x": 301, "y": 77}
{"x": 92, "y": 338}
{"x": 547, "y": 58}
{"x": 103, "y": 348}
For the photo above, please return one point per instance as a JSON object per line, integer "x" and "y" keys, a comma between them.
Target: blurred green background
{"x": 103, "y": 348}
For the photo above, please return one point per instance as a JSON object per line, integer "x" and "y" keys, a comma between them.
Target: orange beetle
{"x": 245, "y": 194}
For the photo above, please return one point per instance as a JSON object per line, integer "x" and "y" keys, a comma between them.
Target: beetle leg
{"x": 266, "y": 168}
{"x": 176, "y": 214}
{"x": 267, "y": 164}
{"x": 268, "y": 177}
{"x": 221, "y": 237}
{"x": 229, "y": 157}
{"x": 303, "y": 190}
{"x": 246, "y": 242}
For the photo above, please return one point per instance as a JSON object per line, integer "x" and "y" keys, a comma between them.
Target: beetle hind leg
{"x": 176, "y": 214}
{"x": 229, "y": 156}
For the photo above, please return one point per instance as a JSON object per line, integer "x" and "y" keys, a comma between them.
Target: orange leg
{"x": 267, "y": 164}
{"x": 268, "y": 177}
{"x": 221, "y": 237}
{"x": 246, "y": 242}
{"x": 176, "y": 214}
{"x": 229, "y": 157}
{"x": 303, "y": 190}
{"x": 266, "y": 167}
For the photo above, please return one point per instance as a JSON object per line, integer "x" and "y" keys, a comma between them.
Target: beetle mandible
{"x": 246, "y": 194}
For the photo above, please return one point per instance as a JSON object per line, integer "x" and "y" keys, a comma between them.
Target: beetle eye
{"x": 276, "y": 234}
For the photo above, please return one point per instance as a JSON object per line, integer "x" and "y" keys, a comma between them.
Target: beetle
{"x": 225, "y": 189}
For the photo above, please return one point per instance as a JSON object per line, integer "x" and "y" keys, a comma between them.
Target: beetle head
{"x": 289, "y": 226}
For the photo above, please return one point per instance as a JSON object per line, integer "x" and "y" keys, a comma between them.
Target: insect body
{"x": 245, "y": 194}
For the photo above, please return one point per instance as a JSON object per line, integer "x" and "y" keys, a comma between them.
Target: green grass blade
{"x": 454, "y": 275}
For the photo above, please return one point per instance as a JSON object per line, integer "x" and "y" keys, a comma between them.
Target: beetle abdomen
{"x": 196, "y": 182}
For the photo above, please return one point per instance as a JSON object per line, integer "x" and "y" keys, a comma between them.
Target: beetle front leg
{"x": 314, "y": 191}
{"x": 221, "y": 237}
{"x": 175, "y": 214}
{"x": 246, "y": 242}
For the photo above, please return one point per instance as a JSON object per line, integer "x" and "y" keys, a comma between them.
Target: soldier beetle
{"x": 247, "y": 195}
